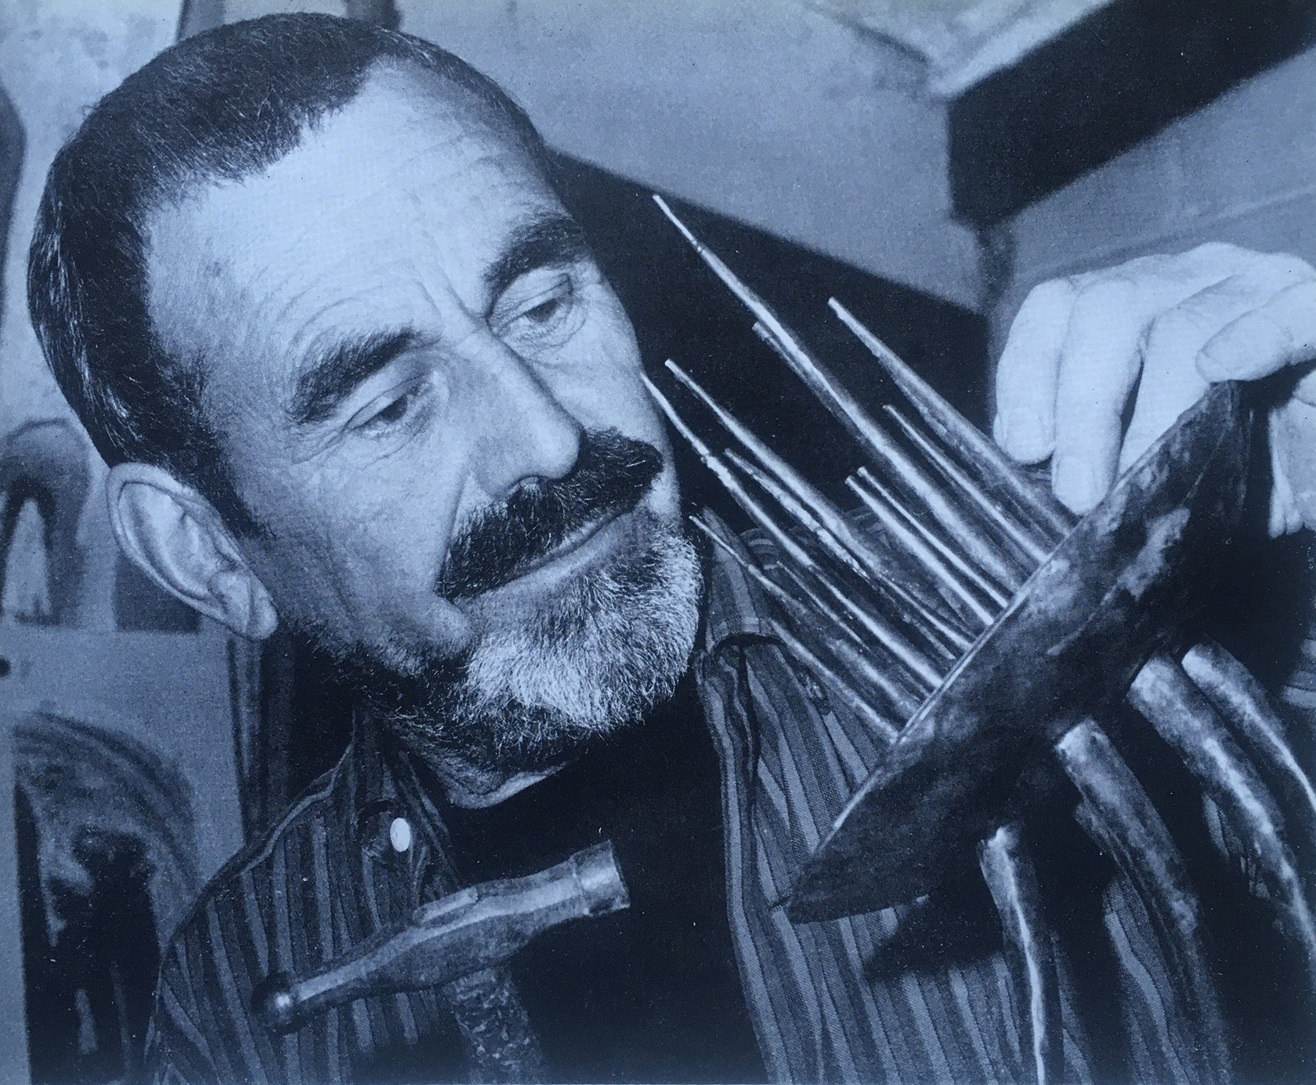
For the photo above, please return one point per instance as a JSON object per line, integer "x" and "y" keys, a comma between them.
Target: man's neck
{"x": 473, "y": 787}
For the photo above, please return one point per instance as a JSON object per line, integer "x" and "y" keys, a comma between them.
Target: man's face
{"x": 422, "y": 383}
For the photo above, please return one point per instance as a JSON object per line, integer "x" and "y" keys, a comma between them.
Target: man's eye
{"x": 542, "y": 320}
{"x": 385, "y": 411}
{"x": 544, "y": 311}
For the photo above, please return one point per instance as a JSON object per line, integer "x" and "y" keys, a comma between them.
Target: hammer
{"x": 464, "y": 932}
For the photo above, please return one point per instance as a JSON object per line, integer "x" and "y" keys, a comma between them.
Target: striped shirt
{"x": 914, "y": 994}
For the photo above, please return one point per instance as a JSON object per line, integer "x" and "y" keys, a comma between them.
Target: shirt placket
{"x": 500, "y": 1040}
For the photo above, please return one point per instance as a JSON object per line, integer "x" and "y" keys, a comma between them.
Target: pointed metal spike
{"x": 873, "y": 568}
{"x": 839, "y": 553}
{"x": 678, "y": 423}
{"x": 833, "y": 394}
{"x": 834, "y": 683}
{"x": 681, "y": 226}
{"x": 755, "y": 304}
{"x": 958, "y": 580}
{"x": 830, "y": 391}
{"x": 803, "y": 614}
{"x": 864, "y": 483}
{"x": 980, "y": 548}
{"x": 797, "y": 510}
{"x": 960, "y": 435}
{"x": 1030, "y": 542}
{"x": 752, "y": 508}
{"x": 880, "y": 628}
{"x": 873, "y": 564}
{"x": 903, "y": 700}
{"x": 797, "y": 608}
{"x": 884, "y": 634}
{"x": 934, "y": 620}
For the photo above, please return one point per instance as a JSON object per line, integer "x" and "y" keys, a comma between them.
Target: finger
{"x": 1278, "y": 333}
{"x": 1171, "y": 382}
{"x": 1098, "y": 368}
{"x": 1293, "y": 466}
{"x": 1027, "y": 374}
{"x": 1285, "y": 516}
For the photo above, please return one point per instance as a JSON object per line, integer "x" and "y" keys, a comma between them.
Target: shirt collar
{"x": 386, "y": 787}
{"x": 737, "y": 607}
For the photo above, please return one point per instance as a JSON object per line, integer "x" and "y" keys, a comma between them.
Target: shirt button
{"x": 399, "y": 834}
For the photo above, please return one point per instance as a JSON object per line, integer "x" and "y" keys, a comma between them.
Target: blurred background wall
{"x": 1240, "y": 169}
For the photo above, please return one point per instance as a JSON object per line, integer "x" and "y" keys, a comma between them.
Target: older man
{"x": 309, "y": 288}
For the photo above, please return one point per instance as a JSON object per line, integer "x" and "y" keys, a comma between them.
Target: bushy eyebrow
{"x": 334, "y": 373}
{"x": 548, "y": 241}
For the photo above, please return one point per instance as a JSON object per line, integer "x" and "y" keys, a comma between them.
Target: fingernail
{"x": 1079, "y": 484}
{"x": 1022, "y": 434}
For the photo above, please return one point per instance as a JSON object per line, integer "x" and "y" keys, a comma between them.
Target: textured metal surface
{"x": 1071, "y": 640}
{"x": 1117, "y": 813}
{"x": 1011, "y": 878}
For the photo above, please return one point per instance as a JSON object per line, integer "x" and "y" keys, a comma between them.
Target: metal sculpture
{"x": 980, "y": 630}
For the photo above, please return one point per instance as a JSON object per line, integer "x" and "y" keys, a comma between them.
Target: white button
{"x": 399, "y": 834}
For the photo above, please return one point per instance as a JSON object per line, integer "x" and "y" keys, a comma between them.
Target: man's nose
{"x": 524, "y": 430}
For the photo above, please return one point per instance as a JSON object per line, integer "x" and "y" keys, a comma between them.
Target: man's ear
{"x": 174, "y": 535}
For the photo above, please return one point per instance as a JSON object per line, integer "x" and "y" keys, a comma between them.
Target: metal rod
{"x": 973, "y": 447}
{"x": 1012, "y": 880}
{"x": 877, "y": 626}
{"x": 833, "y": 682}
{"x": 797, "y": 511}
{"x": 916, "y": 611}
{"x": 824, "y": 514}
{"x": 903, "y": 701}
{"x": 883, "y": 633}
{"x": 959, "y": 580}
{"x": 1243, "y": 703}
{"x": 983, "y": 550}
{"x": 797, "y": 608}
{"x": 909, "y": 604}
{"x": 752, "y": 508}
{"x": 833, "y": 395}
{"x": 1183, "y": 716}
{"x": 1030, "y": 542}
{"x": 865, "y": 484}
{"x": 1121, "y": 819}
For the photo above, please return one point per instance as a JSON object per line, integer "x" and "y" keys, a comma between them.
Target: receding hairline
{"x": 399, "y": 76}
{"x": 401, "y": 71}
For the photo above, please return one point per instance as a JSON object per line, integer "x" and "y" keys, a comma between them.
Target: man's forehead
{"x": 406, "y": 136}
{"x": 413, "y": 170}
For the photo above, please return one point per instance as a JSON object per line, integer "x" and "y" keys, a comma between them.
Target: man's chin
{"x": 551, "y": 674}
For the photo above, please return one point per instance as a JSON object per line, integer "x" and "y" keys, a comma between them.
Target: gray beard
{"x": 594, "y": 657}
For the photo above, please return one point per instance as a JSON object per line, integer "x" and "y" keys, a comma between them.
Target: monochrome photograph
{"x": 696, "y": 542}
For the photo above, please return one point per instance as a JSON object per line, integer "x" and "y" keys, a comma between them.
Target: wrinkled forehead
{"x": 405, "y": 193}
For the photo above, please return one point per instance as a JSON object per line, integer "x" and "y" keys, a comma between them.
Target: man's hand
{"x": 1166, "y": 326}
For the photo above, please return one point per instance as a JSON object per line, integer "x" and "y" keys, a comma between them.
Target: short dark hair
{"x": 218, "y": 106}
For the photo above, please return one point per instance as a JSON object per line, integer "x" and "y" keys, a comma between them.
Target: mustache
{"x": 610, "y": 476}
